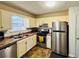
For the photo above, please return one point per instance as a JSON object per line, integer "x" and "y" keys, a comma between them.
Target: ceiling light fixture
{"x": 50, "y": 3}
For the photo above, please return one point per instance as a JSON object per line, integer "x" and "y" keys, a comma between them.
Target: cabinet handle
{"x": 77, "y": 38}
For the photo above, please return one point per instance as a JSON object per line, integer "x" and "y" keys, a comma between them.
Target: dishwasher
{"x": 9, "y": 52}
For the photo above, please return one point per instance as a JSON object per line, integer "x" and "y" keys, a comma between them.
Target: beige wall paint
{"x": 32, "y": 22}
{"x": 60, "y": 13}
{"x": 40, "y": 19}
{"x": 19, "y": 13}
{"x": 16, "y": 10}
{"x": 49, "y": 18}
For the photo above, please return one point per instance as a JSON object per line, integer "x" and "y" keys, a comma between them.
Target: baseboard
{"x": 71, "y": 56}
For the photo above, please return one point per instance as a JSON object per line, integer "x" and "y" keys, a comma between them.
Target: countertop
{"x": 49, "y": 34}
{"x": 10, "y": 40}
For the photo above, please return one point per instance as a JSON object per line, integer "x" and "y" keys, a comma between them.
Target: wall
{"x": 73, "y": 12}
{"x": 18, "y": 12}
{"x": 40, "y": 19}
{"x": 49, "y": 18}
{"x": 32, "y": 21}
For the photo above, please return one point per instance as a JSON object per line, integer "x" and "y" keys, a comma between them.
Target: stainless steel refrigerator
{"x": 60, "y": 37}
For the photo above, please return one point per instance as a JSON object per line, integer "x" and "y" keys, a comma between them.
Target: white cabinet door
{"x": 34, "y": 40}
{"x": 77, "y": 49}
{"x": 5, "y": 20}
{"x": 29, "y": 43}
{"x": 48, "y": 41}
{"x": 21, "y": 47}
{"x": 77, "y": 26}
{"x": 77, "y": 36}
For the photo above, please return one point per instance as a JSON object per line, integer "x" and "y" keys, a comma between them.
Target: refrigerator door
{"x": 55, "y": 42}
{"x": 63, "y": 43}
{"x": 56, "y": 25}
{"x": 59, "y": 43}
{"x": 59, "y": 26}
{"x": 59, "y": 38}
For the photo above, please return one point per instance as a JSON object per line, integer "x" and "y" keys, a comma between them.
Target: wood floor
{"x": 40, "y": 52}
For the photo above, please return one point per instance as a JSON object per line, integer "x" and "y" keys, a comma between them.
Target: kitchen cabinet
{"x": 44, "y": 20}
{"x": 77, "y": 36}
{"x": 48, "y": 41}
{"x": 32, "y": 22}
{"x": 5, "y": 20}
{"x": 77, "y": 26}
{"x": 31, "y": 42}
{"x": 21, "y": 47}
{"x": 77, "y": 48}
{"x": 34, "y": 40}
{"x": 25, "y": 45}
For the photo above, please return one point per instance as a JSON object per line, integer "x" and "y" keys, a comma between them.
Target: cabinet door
{"x": 6, "y": 20}
{"x": 34, "y": 40}
{"x": 29, "y": 43}
{"x": 0, "y": 19}
{"x": 32, "y": 22}
{"x": 77, "y": 26}
{"x": 77, "y": 38}
{"x": 77, "y": 49}
{"x": 48, "y": 41}
{"x": 21, "y": 47}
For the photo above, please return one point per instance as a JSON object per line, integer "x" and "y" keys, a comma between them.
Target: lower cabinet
{"x": 31, "y": 42}
{"x": 25, "y": 45}
{"x": 21, "y": 47}
{"x": 48, "y": 41}
{"x": 34, "y": 40}
{"x": 77, "y": 48}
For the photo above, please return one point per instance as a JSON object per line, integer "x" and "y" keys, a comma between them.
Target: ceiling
{"x": 38, "y": 7}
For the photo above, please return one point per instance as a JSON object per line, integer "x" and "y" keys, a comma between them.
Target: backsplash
{"x": 9, "y": 33}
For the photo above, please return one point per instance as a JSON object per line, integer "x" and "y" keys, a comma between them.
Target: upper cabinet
{"x": 5, "y": 20}
{"x": 32, "y": 22}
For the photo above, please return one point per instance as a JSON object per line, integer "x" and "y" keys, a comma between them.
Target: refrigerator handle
{"x": 77, "y": 38}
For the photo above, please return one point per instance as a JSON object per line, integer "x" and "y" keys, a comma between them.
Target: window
{"x": 18, "y": 23}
